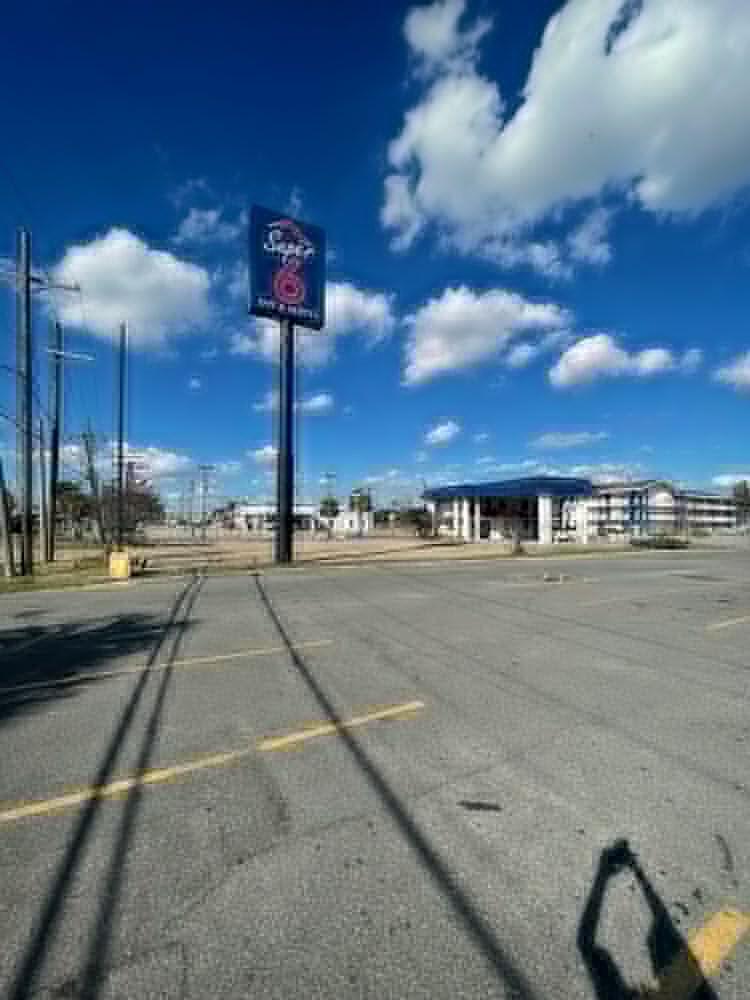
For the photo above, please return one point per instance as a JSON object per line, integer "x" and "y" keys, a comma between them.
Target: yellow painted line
{"x": 159, "y": 775}
{"x": 44, "y": 807}
{"x": 728, "y": 624}
{"x": 707, "y": 949}
{"x": 328, "y": 728}
{"x": 188, "y": 664}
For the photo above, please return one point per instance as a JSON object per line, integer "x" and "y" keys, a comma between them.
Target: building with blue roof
{"x": 533, "y": 508}
{"x": 547, "y": 509}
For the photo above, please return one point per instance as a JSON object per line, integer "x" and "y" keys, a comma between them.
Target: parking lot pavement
{"x": 517, "y": 779}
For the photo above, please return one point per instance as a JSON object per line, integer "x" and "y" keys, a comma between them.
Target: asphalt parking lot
{"x": 382, "y": 781}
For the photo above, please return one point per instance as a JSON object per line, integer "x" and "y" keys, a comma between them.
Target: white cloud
{"x": 435, "y": 38}
{"x": 194, "y": 383}
{"x": 547, "y": 257}
{"x": 736, "y": 373}
{"x": 729, "y": 479}
{"x": 123, "y": 279}
{"x": 461, "y": 328}
{"x": 651, "y": 361}
{"x": 236, "y": 280}
{"x": 151, "y": 461}
{"x": 521, "y": 355}
{"x": 568, "y": 439}
{"x": 160, "y": 462}
{"x": 316, "y": 405}
{"x": 266, "y": 455}
{"x": 383, "y": 477}
{"x": 621, "y": 100}
{"x": 600, "y": 355}
{"x": 206, "y": 225}
{"x": 481, "y": 437}
{"x": 601, "y": 472}
{"x": 243, "y": 344}
{"x": 400, "y": 212}
{"x": 588, "y": 242}
{"x": 605, "y": 472}
{"x": 442, "y": 433}
{"x": 349, "y": 310}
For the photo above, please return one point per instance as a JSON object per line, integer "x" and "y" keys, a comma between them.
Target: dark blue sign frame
{"x": 287, "y": 269}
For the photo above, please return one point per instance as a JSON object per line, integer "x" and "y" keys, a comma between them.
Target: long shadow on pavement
{"x": 32, "y": 961}
{"x": 513, "y": 978}
{"x": 57, "y": 661}
{"x": 668, "y": 951}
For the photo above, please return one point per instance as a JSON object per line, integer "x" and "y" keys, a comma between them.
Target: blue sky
{"x": 537, "y": 215}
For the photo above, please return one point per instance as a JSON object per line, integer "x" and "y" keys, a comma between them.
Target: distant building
{"x": 558, "y": 508}
{"x": 655, "y": 506}
{"x": 350, "y": 522}
{"x": 260, "y": 519}
{"x": 533, "y": 507}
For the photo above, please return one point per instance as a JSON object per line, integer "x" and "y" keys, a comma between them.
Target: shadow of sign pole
{"x": 513, "y": 978}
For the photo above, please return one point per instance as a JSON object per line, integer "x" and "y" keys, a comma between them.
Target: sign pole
{"x": 285, "y": 459}
{"x": 287, "y": 283}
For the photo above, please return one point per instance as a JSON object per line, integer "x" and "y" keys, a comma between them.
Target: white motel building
{"x": 549, "y": 509}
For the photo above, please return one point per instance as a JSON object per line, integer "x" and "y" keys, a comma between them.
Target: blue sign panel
{"x": 287, "y": 268}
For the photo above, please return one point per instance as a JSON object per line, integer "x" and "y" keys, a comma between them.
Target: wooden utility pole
{"x": 121, "y": 438}
{"x": 24, "y": 399}
{"x": 25, "y": 281}
{"x": 6, "y": 537}
{"x": 55, "y": 408}
{"x": 43, "y": 523}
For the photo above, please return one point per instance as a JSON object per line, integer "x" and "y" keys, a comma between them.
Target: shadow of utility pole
{"x": 668, "y": 950}
{"x": 34, "y": 957}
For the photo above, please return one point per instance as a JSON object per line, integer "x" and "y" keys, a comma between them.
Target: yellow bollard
{"x": 119, "y": 565}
